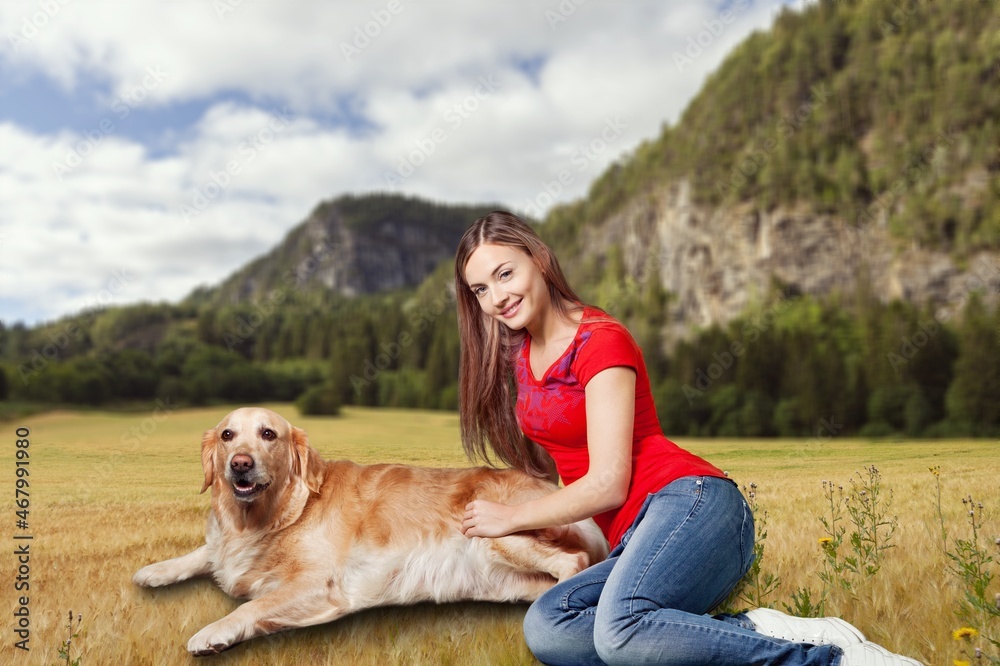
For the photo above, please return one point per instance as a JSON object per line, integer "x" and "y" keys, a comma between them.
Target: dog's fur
{"x": 310, "y": 541}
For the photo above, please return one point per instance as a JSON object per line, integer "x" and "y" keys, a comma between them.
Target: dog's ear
{"x": 208, "y": 442}
{"x": 301, "y": 459}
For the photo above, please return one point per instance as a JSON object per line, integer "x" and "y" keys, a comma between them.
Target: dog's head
{"x": 253, "y": 452}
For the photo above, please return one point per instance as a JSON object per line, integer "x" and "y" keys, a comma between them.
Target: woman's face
{"x": 507, "y": 284}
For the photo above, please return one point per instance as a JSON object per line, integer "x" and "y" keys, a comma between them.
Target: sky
{"x": 148, "y": 148}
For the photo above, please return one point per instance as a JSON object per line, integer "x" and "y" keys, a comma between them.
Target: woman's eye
{"x": 505, "y": 274}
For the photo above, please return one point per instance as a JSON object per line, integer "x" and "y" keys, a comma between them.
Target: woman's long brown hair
{"x": 486, "y": 382}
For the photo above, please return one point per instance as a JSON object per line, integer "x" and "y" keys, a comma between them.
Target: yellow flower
{"x": 824, "y": 540}
{"x": 961, "y": 662}
{"x": 964, "y": 632}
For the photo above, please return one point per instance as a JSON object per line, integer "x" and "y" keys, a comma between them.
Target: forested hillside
{"x": 352, "y": 245}
{"x": 831, "y": 107}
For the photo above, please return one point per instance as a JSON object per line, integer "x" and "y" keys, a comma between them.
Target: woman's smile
{"x": 511, "y": 310}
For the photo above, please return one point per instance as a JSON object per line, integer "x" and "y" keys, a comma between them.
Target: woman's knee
{"x": 559, "y": 635}
{"x": 540, "y": 632}
{"x": 611, "y": 635}
{"x": 535, "y": 628}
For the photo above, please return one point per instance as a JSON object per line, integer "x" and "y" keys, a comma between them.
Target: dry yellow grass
{"x": 909, "y": 605}
{"x": 105, "y": 502}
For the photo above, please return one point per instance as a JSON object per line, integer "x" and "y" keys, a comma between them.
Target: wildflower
{"x": 965, "y": 632}
{"x": 824, "y": 540}
{"x": 961, "y": 662}
{"x": 936, "y": 470}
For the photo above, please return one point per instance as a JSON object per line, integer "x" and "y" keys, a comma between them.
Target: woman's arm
{"x": 610, "y": 398}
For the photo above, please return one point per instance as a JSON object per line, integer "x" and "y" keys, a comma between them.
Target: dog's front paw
{"x": 155, "y": 575}
{"x": 213, "y": 639}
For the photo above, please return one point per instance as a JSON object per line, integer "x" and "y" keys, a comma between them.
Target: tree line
{"x": 794, "y": 366}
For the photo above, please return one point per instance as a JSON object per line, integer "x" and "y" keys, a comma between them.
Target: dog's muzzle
{"x": 244, "y": 478}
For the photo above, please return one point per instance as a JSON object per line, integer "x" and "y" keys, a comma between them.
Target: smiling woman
{"x": 511, "y": 266}
{"x": 681, "y": 534}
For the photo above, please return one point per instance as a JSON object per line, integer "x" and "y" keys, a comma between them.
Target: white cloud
{"x": 443, "y": 76}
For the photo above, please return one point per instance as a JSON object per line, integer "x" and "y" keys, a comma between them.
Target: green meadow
{"x": 112, "y": 492}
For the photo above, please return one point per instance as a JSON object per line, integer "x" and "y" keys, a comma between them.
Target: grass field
{"x": 111, "y": 493}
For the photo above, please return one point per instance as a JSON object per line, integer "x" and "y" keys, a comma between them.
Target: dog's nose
{"x": 241, "y": 462}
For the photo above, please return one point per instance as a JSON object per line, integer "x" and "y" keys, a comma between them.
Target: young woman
{"x": 539, "y": 367}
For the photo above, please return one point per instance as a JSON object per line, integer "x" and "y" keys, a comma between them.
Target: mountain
{"x": 852, "y": 140}
{"x": 353, "y": 245}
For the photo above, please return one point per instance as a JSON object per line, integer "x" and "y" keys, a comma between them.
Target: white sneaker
{"x": 815, "y": 630}
{"x": 869, "y": 654}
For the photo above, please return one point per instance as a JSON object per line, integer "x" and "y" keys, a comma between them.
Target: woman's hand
{"x": 487, "y": 519}
{"x": 610, "y": 396}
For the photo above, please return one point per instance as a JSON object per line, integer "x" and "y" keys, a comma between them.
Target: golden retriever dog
{"x": 308, "y": 541}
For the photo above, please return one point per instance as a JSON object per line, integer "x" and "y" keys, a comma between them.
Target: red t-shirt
{"x": 552, "y": 412}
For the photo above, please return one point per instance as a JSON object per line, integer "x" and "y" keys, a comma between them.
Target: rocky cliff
{"x": 717, "y": 261}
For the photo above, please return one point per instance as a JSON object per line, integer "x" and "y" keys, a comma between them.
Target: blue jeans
{"x": 688, "y": 547}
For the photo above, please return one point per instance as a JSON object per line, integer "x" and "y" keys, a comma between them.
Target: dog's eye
{"x": 227, "y": 435}
{"x": 268, "y": 434}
